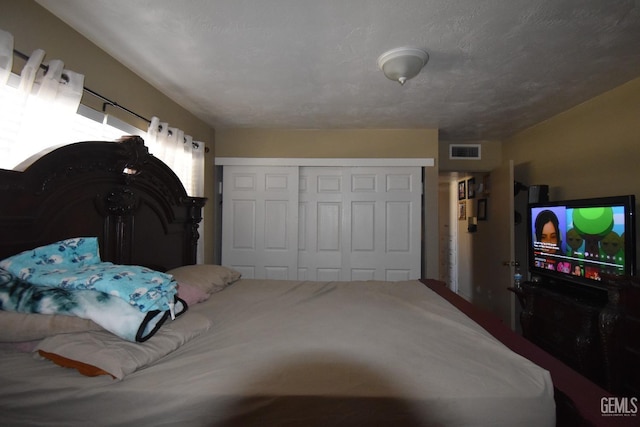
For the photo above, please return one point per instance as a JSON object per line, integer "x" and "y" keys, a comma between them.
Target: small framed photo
{"x": 462, "y": 210}
{"x": 482, "y": 209}
{"x": 471, "y": 188}
{"x": 462, "y": 190}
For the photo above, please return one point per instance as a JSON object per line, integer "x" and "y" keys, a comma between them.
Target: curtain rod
{"x": 106, "y": 101}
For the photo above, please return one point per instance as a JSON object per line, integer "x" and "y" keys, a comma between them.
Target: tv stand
{"x": 564, "y": 321}
{"x": 620, "y": 332}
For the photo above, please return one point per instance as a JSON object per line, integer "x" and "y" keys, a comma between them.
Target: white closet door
{"x": 260, "y": 221}
{"x": 320, "y": 231}
{"x": 383, "y": 209}
{"x": 360, "y": 223}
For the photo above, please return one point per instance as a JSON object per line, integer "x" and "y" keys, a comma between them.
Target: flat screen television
{"x": 576, "y": 241}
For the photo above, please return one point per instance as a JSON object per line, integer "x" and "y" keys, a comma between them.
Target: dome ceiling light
{"x": 403, "y": 63}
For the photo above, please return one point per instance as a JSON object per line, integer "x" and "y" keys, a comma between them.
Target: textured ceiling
{"x": 495, "y": 67}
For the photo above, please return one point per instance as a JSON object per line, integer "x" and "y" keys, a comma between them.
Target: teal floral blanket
{"x": 69, "y": 278}
{"x": 75, "y": 264}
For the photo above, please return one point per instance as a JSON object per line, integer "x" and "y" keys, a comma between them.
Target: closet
{"x": 322, "y": 222}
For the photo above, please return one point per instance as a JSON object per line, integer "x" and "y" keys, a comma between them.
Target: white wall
{"x": 464, "y": 244}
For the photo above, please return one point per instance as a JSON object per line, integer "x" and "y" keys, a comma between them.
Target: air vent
{"x": 464, "y": 151}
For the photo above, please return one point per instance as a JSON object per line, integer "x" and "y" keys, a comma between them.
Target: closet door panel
{"x": 260, "y": 221}
{"x": 363, "y": 230}
{"x": 328, "y": 227}
{"x": 384, "y": 228}
{"x": 244, "y": 225}
{"x": 320, "y": 254}
{"x": 303, "y": 221}
{"x": 360, "y": 223}
{"x": 276, "y": 222}
{"x": 398, "y": 227}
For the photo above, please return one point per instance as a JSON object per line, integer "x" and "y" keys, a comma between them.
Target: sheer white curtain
{"x": 40, "y": 109}
{"x": 183, "y": 155}
{"x": 6, "y": 56}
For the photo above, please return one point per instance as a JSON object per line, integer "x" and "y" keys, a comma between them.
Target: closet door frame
{"x": 429, "y": 221}
{"x": 332, "y": 162}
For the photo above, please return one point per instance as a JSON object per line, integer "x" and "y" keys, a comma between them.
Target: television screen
{"x": 579, "y": 240}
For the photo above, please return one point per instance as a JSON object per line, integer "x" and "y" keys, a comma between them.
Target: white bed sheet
{"x": 302, "y": 353}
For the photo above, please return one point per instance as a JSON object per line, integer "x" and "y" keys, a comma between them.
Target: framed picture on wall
{"x": 482, "y": 209}
{"x": 462, "y": 190}
{"x": 471, "y": 188}
{"x": 462, "y": 210}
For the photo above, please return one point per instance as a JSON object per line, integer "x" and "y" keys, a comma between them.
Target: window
{"x": 87, "y": 124}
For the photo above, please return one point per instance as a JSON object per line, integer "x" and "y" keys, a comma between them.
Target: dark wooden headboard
{"x": 117, "y": 191}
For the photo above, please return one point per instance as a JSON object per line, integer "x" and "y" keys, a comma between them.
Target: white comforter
{"x": 302, "y": 354}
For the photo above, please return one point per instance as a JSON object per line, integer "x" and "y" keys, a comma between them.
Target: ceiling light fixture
{"x": 403, "y": 63}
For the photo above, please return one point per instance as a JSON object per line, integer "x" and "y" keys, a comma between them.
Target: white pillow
{"x": 100, "y": 352}
{"x": 19, "y": 327}
{"x": 209, "y": 278}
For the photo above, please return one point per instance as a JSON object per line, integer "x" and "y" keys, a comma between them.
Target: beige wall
{"x": 33, "y": 27}
{"x": 354, "y": 143}
{"x": 591, "y": 150}
{"x": 588, "y": 151}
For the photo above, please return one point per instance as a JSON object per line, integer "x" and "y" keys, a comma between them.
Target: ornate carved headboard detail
{"x": 117, "y": 191}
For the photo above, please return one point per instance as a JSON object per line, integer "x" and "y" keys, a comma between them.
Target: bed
{"x": 245, "y": 352}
